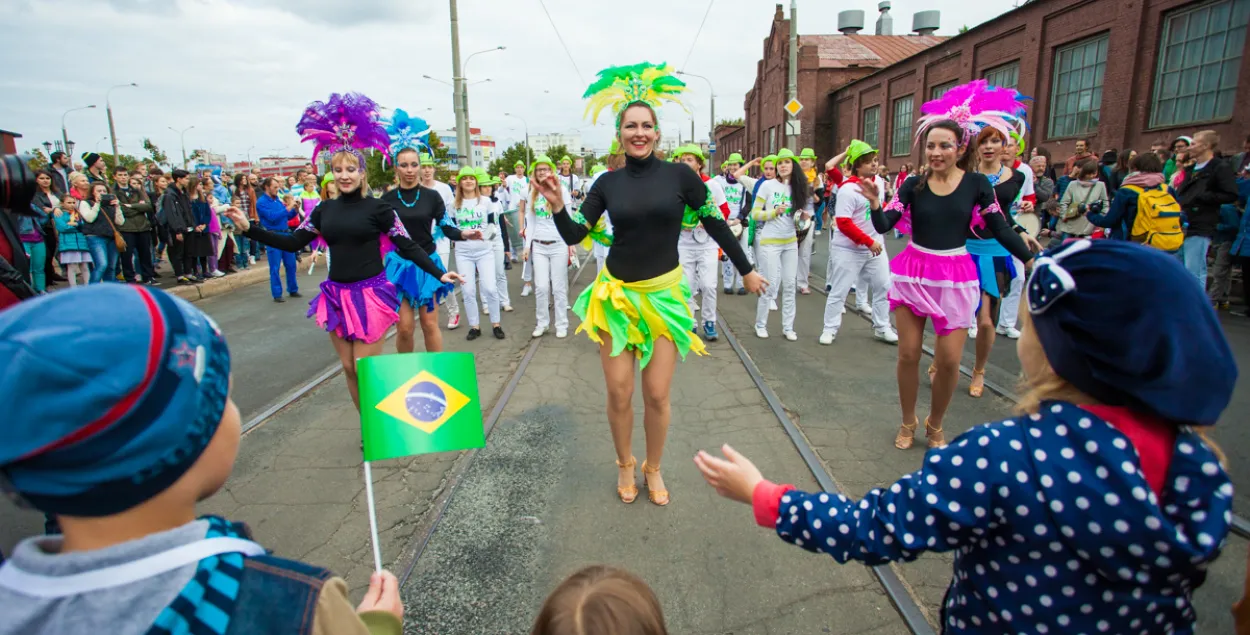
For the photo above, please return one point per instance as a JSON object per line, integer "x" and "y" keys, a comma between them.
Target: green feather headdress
{"x": 622, "y": 86}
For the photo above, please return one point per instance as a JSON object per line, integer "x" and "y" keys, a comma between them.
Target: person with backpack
{"x": 1144, "y": 209}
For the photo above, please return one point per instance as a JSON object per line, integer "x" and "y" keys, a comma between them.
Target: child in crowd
{"x": 1100, "y": 506}
{"x": 72, "y": 249}
{"x": 601, "y": 600}
{"x": 133, "y": 557}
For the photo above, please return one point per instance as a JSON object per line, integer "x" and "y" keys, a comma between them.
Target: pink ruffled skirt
{"x": 358, "y": 311}
{"x": 940, "y": 285}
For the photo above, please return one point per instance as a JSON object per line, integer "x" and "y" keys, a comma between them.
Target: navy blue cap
{"x": 112, "y": 392}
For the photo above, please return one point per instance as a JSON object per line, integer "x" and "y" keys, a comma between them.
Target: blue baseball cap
{"x": 113, "y": 392}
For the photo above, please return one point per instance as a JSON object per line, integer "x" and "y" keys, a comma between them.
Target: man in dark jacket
{"x": 176, "y": 214}
{"x": 60, "y": 169}
{"x": 1208, "y": 184}
{"x": 136, "y": 229}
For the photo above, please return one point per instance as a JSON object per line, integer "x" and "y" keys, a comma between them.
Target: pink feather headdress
{"x": 974, "y": 106}
{"x": 343, "y": 123}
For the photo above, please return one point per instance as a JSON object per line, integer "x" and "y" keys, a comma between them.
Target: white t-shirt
{"x": 1025, "y": 190}
{"x": 473, "y": 213}
{"x": 780, "y": 229}
{"x": 734, "y": 194}
{"x": 852, "y": 204}
{"x": 539, "y": 225}
{"x": 517, "y": 187}
{"x": 572, "y": 182}
{"x": 698, "y": 237}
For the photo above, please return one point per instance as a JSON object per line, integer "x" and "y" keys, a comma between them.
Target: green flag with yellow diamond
{"x": 418, "y": 403}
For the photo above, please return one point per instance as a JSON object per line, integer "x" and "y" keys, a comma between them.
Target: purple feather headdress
{"x": 343, "y": 123}
{"x": 974, "y": 106}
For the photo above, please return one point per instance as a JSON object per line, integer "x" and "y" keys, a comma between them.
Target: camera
{"x": 17, "y": 183}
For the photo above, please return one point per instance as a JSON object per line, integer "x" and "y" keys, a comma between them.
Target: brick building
{"x": 8, "y": 142}
{"x": 1121, "y": 73}
{"x": 826, "y": 63}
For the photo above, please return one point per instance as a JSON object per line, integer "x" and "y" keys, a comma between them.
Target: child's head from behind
{"x": 1120, "y": 324}
{"x": 127, "y": 410}
{"x": 601, "y": 600}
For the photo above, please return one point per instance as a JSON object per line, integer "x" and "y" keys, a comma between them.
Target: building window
{"x": 872, "y": 126}
{"x": 937, "y": 91}
{"x": 1200, "y": 57}
{"x": 1076, "y": 97}
{"x": 1005, "y": 76}
{"x": 901, "y": 144}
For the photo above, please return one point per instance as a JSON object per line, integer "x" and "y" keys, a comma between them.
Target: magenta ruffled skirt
{"x": 940, "y": 285}
{"x": 358, "y": 311}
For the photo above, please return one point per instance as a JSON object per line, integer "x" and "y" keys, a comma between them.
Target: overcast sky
{"x": 241, "y": 71}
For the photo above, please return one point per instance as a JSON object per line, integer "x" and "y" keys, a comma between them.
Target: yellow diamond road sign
{"x": 793, "y": 107}
{"x": 424, "y": 389}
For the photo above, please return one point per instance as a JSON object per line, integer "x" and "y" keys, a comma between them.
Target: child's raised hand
{"x": 733, "y": 477}
{"x": 383, "y": 595}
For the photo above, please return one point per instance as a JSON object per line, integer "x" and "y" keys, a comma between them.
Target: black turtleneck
{"x": 352, "y": 227}
{"x": 647, "y": 199}
{"x": 420, "y": 209}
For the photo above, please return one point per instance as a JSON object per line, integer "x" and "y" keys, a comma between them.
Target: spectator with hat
{"x": 95, "y": 168}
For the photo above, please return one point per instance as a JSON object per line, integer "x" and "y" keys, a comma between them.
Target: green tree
{"x": 730, "y": 122}
{"x": 158, "y": 156}
{"x": 963, "y": 29}
{"x": 381, "y": 174}
{"x": 508, "y": 159}
{"x": 37, "y": 159}
{"x": 127, "y": 161}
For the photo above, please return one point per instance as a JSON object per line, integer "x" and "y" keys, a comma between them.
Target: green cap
{"x": 566, "y": 158}
{"x": 427, "y": 159}
{"x": 772, "y": 158}
{"x": 541, "y": 159}
{"x": 808, "y": 153}
{"x": 691, "y": 149}
{"x": 856, "y": 150}
{"x": 733, "y": 158}
{"x": 597, "y": 169}
{"x": 483, "y": 178}
{"x": 327, "y": 178}
{"x": 519, "y": 164}
{"x": 785, "y": 153}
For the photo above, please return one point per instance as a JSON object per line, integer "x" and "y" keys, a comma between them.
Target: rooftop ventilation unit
{"x": 885, "y": 23}
{"x": 851, "y": 22}
{"x": 926, "y": 22}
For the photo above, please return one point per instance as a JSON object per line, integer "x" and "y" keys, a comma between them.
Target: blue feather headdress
{"x": 406, "y": 131}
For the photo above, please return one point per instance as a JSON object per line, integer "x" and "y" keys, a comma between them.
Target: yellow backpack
{"x": 1158, "y": 222}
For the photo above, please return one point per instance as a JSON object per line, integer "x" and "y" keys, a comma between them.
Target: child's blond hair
{"x": 601, "y": 600}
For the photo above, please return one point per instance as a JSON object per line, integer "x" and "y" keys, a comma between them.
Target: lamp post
{"x": 711, "y": 135}
{"x": 249, "y": 157}
{"x": 182, "y": 135}
{"x": 47, "y": 148}
{"x": 65, "y": 136}
{"x": 108, "y": 108}
{"x": 97, "y": 147}
{"x": 528, "y": 158}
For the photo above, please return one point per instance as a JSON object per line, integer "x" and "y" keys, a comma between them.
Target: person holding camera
{"x": 101, "y": 215}
{"x": 1084, "y": 195}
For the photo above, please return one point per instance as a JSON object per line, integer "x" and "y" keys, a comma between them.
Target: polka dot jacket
{"x": 1054, "y": 526}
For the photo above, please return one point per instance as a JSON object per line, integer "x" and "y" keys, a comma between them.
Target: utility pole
{"x": 793, "y": 139}
{"x": 462, "y": 127}
{"x": 108, "y": 107}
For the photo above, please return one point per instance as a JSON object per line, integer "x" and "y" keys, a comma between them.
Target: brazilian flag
{"x": 418, "y": 403}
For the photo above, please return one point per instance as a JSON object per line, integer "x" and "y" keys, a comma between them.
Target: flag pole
{"x": 373, "y": 519}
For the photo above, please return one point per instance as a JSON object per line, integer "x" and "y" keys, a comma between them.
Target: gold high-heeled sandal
{"x": 906, "y": 435}
{"x": 657, "y": 496}
{"x": 933, "y": 436}
{"x": 932, "y": 372}
{"x": 628, "y": 493}
{"x": 978, "y": 383}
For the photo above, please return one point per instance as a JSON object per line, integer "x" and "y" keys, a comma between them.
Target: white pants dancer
{"x": 873, "y": 275}
{"x": 551, "y": 275}
{"x": 443, "y": 247}
{"x": 699, "y": 265}
{"x": 477, "y": 265}
{"x": 733, "y": 279}
{"x": 1010, "y": 310}
{"x": 778, "y": 264}
{"x": 805, "y": 259}
{"x": 600, "y": 252}
{"x": 501, "y": 274}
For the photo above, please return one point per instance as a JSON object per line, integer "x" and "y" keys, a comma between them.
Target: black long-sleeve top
{"x": 352, "y": 227}
{"x": 945, "y": 222}
{"x": 648, "y": 199}
{"x": 419, "y": 210}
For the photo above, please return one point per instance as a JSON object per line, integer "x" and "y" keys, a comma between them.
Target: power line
{"x": 697, "y": 33}
{"x": 561, "y": 39}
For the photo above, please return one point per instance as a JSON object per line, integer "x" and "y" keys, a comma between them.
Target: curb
{"x": 218, "y": 286}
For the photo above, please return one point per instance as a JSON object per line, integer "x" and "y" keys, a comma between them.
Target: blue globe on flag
{"x": 426, "y": 401}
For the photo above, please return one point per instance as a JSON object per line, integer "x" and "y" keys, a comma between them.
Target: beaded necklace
{"x": 400, "y": 195}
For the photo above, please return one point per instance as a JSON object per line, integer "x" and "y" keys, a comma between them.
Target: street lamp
{"x": 97, "y": 147}
{"x": 65, "y": 136}
{"x": 528, "y": 158}
{"x": 108, "y": 108}
{"x": 711, "y": 135}
{"x": 182, "y": 135}
{"x": 47, "y": 148}
{"x": 249, "y": 157}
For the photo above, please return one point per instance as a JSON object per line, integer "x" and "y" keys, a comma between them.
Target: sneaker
{"x": 826, "y": 338}
{"x": 295, "y": 294}
{"x": 507, "y": 265}
{"x": 474, "y": 333}
{"x": 251, "y": 260}
{"x": 498, "y": 331}
{"x": 761, "y": 333}
{"x": 972, "y": 332}
{"x": 507, "y": 308}
{"x": 742, "y": 291}
{"x": 184, "y": 280}
{"x": 817, "y": 232}
{"x": 279, "y": 300}
{"x": 485, "y": 309}
{"x": 539, "y": 332}
{"x": 886, "y": 335}
{"x": 772, "y": 305}
{"x": 729, "y": 291}
{"x": 709, "y": 331}
{"x": 1221, "y": 306}
{"x": 152, "y": 282}
{"x": 863, "y": 309}
{"x": 1011, "y": 332}
{"x": 217, "y": 273}
{"x": 526, "y": 290}
{"x": 454, "y": 322}
{"x": 561, "y": 333}
{"x": 791, "y": 336}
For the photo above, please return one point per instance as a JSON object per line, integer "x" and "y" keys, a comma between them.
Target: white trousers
{"x": 600, "y": 252}
{"x": 551, "y": 275}
{"x": 805, "y": 258}
{"x": 733, "y": 279}
{"x": 699, "y": 265}
{"x": 873, "y": 276}
{"x": 443, "y": 247}
{"x": 778, "y": 264}
{"x": 501, "y": 275}
{"x": 477, "y": 266}
{"x": 1010, "y": 310}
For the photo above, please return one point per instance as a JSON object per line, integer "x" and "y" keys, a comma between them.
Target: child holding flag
{"x": 134, "y": 558}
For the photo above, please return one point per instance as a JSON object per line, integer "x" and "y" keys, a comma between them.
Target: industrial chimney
{"x": 926, "y": 22}
{"x": 851, "y": 22}
{"x": 885, "y": 23}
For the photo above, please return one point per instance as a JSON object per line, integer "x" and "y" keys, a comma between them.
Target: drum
{"x": 801, "y": 227}
{"x": 1031, "y": 223}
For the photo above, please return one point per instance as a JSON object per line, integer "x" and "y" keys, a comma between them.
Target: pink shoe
{"x": 454, "y": 322}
